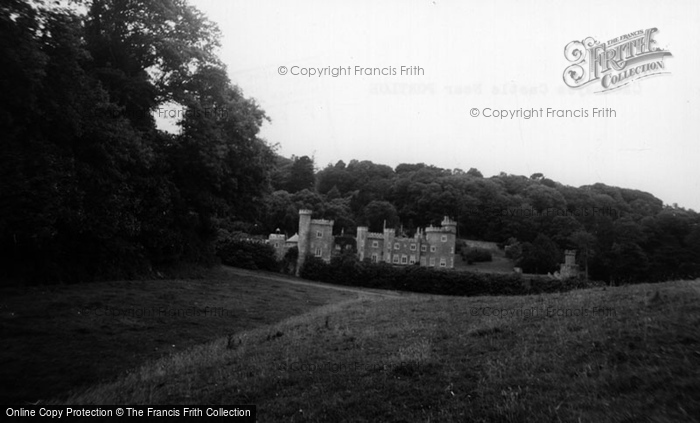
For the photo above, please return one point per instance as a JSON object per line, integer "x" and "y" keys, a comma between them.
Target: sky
{"x": 482, "y": 55}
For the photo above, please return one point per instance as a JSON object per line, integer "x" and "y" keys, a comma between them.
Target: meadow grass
{"x": 57, "y": 338}
{"x": 628, "y": 354}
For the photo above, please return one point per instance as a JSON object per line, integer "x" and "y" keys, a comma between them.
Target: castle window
{"x": 375, "y": 244}
{"x": 432, "y": 261}
{"x": 277, "y": 245}
{"x": 433, "y": 248}
{"x": 412, "y": 259}
{"x": 422, "y": 261}
{"x": 452, "y": 250}
{"x": 443, "y": 238}
{"x": 374, "y": 258}
{"x": 424, "y": 248}
{"x": 404, "y": 259}
{"x": 396, "y": 259}
{"x": 319, "y": 252}
{"x": 413, "y": 247}
{"x": 396, "y": 246}
{"x": 319, "y": 234}
{"x": 443, "y": 263}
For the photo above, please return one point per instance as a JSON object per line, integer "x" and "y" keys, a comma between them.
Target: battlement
{"x": 277, "y": 237}
{"x": 448, "y": 222}
{"x": 305, "y": 211}
{"x": 404, "y": 239}
{"x": 375, "y": 235}
{"x": 321, "y": 222}
{"x": 443, "y": 229}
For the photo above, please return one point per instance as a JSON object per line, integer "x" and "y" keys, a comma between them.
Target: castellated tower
{"x": 441, "y": 243}
{"x": 304, "y": 229}
{"x": 389, "y": 236}
{"x": 361, "y": 239}
{"x": 315, "y": 237}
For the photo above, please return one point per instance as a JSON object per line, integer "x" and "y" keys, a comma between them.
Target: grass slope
{"x": 621, "y": 354}
{"x": 56, "y": 338}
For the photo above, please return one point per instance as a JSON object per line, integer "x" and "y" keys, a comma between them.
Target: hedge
{"x": 347, "y": 271}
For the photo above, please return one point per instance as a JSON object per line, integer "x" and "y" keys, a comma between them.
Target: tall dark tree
{"x": 301, "y": 174}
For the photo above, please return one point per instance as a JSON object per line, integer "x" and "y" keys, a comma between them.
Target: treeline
{"x": 621, "y": 235}
{"x": 90, "y": 189}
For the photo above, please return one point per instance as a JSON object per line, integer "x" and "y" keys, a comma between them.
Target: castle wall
{"x": 321, "y": 239}
{"x": 370, "y": 245}
{"x": 404, "y": 250}
{"x": 278, "y": 242}
{"x": 484, "y": 245}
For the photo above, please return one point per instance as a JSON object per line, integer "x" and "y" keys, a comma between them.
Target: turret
{"x": 449, "y": 225}
{"x": 361, "y": 240}
{"x": 303, "y": 244}
{"x": 389, "y": 235}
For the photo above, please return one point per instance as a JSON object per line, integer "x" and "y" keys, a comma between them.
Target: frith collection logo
{"x": 615, "y": 63}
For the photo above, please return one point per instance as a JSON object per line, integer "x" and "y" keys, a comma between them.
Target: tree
{"x": 628, "y": 263}
{"x": 584, "y": 243}
{"x": 542, "y": 256}
{"x": 475, "y": 173}
{"x": 90, "y": 188}
{"x": 338, "y": 210}
{"x": 301, "y": 175}
{"x": 378, "y": 212}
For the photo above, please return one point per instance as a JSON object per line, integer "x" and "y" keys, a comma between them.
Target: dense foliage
{"x": 247, "y": 254}
{"x": 90, "y": 188}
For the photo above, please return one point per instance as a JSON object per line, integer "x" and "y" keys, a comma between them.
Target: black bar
{"x": 230, "y": 413}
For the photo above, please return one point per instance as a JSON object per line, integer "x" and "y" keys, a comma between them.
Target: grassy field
{"x": 623, "y": 354}
{"x": 60, "y": 337}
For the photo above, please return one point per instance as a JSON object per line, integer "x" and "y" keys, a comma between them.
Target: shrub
{"x": 254, "y": 255}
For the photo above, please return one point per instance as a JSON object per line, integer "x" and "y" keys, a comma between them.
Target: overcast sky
{"x": 498, "y": 55}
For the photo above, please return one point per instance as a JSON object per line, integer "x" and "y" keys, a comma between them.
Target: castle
{"x": 432, "y": 246}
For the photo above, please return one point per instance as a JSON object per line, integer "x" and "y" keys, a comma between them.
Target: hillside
{"x": 608, "y": 354}
{"x": 57, "y": 338}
